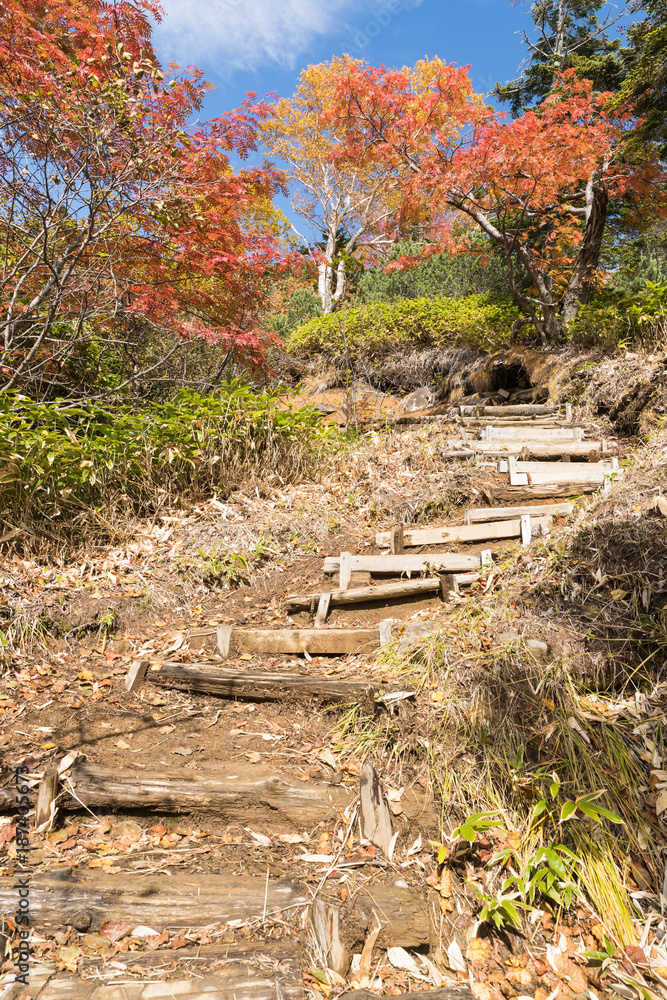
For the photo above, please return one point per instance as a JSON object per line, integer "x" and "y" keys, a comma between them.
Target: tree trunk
{"x": 597, "y": 207}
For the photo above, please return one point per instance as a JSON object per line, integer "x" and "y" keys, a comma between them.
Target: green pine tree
{"x": 569, "y": 34}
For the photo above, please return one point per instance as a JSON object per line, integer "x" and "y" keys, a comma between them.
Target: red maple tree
{"x": 538, "y": 187}
{"x": 118, "y": 209}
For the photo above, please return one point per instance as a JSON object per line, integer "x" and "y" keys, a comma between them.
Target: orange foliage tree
{"x": 538, "y": 187}
{"x": 116, "y": 211}
{"x": 354, "y": 206}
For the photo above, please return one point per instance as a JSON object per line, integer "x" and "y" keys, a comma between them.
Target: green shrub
{"x": 439, "y": 276}
{"x": 59, "y": 461}
{"x": 612, "y": 321}
{"x": 479, "y": 321}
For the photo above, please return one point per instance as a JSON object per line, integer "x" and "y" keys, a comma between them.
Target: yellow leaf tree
{"x": 356, "y": 207}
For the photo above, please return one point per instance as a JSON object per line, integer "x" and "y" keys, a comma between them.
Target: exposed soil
{"x": 76, "y": 627}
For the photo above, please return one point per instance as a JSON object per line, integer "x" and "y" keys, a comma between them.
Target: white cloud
{"x": 243, "y": 34}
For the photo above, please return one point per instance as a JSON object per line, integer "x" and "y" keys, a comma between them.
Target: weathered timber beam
{"x": 521, "y": 410}
{"x": 233, "y": 982}
{"x": 543, "y": 491}
{"x": 445, "y": 993}
{"x": 480, "y": 514}
{"x": 464, "y": 533}
{"x": 367, "y": 595}
{"x": 85, "y": 900}
{"x": 441, "y": 562}
{"x": 280, "y": 799}
{"x": 257, "y": 686}
{"x": 315, "y": 641}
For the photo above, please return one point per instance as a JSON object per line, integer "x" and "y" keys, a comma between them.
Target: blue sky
{"x": 262, "y": 45}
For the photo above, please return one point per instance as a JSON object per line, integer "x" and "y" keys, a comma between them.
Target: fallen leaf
{"x": 70, "y": 957}
{"x": 401, "y": 959}
{"x": 254, "y": 757}
{"x": 96, "y": 942}
{"x": 178, "y": 942}
{"x": 479, "y": 950}
{"x": 259, "y": 837}
{"x": 455, "y": 957}
{"x": 115, "y": 930}
{"x": 122, "y": 745}
{"x": 183, "y": 751}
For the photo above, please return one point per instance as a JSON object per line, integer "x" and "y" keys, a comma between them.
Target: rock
{"x": 413, "y": 633}
{"x": 538, "y": 648}
{"x": 509, "y": 637}
{"x": 324, "y": 408}
{"x": 661, "y": 506}
{"x": 420, "y": 399}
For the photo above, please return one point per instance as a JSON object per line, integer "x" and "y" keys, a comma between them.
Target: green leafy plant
{"x": 549, "y": 873}
{"x": 58, "y": 462}
{"x": 480, "y": 321}
{"x": 477, "y": 823}
{"x": 502, "y": 908}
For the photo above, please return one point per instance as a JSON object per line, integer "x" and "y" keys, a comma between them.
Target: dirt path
{"x": 241, "y": 844}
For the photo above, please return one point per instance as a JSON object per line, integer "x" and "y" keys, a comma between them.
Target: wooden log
{"x": 521, "y": 410}
{"x": 444, "y": 993}
{"x": 483, "y": 532}
{"x": 322, "y": 610}
{"x": 494, "y": 433}
{"x": 591, "y": 451}
{"x": 279, "y": 800}
{"x": 445, "y": 562}
{"x": 497, "y": 420}
{"x": 45, "y": 810}
{"x": 8, "y": 798}
{"x": 316, "y": 642}
{"x": 345, "y": 568}
{"x": 481, "y": 514}
{"x": 85, "y": 900}
{"x": 235, "y": 981}
{"x": 396, "y": 540}
{"x": 374, "y": 811}
{"x": 543, "y": 491}
{"x": 369, "y": 595}
{"x": 257, "y": 686}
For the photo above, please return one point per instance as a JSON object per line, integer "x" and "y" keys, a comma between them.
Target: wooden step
{"x": 84, "y": 900}
{"x": 591, "y": 451}
{"x": 542, "y": 491}
{"x": 480, "y": 514}
{"x": 368, "y": 595}
{"x": 265, "y": 686}
{"x": 464, "y": 533}
{"x": 316, "y": 642}
{"x": 495, "y": 433}
{"x": 538, "y": 473}
{"x": 446, "y": 993}
{"x": 257, "y": 971}
{"x": 520, "y": 410}
{"x": 448, "y": 562}
{"x": 227, "y": 791}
